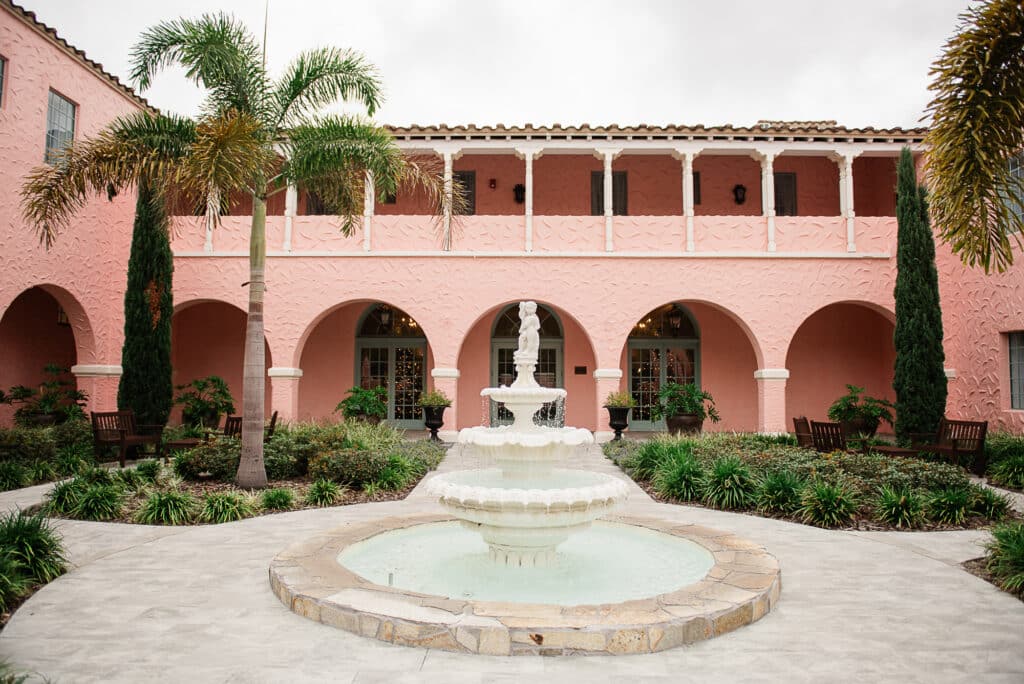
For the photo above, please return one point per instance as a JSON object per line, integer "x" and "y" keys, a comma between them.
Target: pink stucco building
{"x": 758, "y": 261}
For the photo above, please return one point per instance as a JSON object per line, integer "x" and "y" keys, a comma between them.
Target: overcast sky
{"x": 692, "y": 62}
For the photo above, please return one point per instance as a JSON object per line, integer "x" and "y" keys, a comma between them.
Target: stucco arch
{"x": 78, "y": 319}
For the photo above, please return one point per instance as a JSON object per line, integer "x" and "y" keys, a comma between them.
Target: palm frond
{"x": 217, "y": 52}
{"x": 319, "y": 77}
{"x": 978, "y": 124}
{"x": 139, "y": 145}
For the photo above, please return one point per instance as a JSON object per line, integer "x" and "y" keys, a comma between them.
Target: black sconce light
{"x": 385, "y": 316}
{"x": 739, "y": 193}
{"x": 493, "y": 183}
{"x": 519, "y": 192}
{"x": 675, "y": 319}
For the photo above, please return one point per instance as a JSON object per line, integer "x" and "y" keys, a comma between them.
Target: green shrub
{"x": 1008, "y": 471}
{"x": 779, "y": 492}
{"x": 424, "y": 454}
{"x": 649, "y": 457}
{"x": 43, "y": 471}
{"x": 103, "y": 476}
{"x": 26, "y": 445}
{"x": 323, "y": 493}
{"x": 398, "y": 472}
{"x": 33, "y": 542}
{"x": 987, "y": 503}
{"x": 171, "y": 507}
{"x": 728, "y": 484}
{"x": 901, "y": 507}
{"x": 348, "y": 466}
{"x": 100, "y": 502}
{"x": 372, "y": 489}
{"x": 71, "y": 460}
{"x": 129, "y": 478}
{"x": 14, "y": 475}
{"x": 222, "y": 507}
{"x": 280, "y": 465}
{"x": 216, "y": 458}
{"x": 1006, "y": 556}
{"x": 950, "y": 505}
{"x": 679, "y": 477}
{"x": 148, "y": 470}
{"x": 277, "y": 499}
{"x": 63, "y": 498}
{"x": 14, "y": 580}
{"x": 74, "y": 434}
{"x": 620, "y": 452}
{"x": 828, "y": 504}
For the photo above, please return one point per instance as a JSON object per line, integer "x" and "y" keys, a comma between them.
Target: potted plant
{"x": 55, "y": 401}
{"x": 369, "y": 405}
{"x": 860, "y": 414}
{"x": 684, "y": 408}
{"x": 619, "y": 405}
{"x": 204, "y": 400}
{"x": 434, "y": 403}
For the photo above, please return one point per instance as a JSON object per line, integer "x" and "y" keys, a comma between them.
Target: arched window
{"x": 505, "y": 339}
{"x": 391, "y": 352}
{"x": 664, "y": 346}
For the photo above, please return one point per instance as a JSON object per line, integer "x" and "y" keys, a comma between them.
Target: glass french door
{"x": 399, "y": 366}
{"x": 652, "y": 364}
{"x": 548, "y": 374}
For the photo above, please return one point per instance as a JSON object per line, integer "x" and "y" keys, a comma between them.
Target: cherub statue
{"x": 529, "y": 333}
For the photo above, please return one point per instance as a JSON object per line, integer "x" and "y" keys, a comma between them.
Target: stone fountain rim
{"x": 605, "y": 488}
{"x": 741, "y": 587}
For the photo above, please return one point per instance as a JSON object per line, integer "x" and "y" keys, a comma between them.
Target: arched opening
{"x": 692, "y": 342}
{"x": 498, "y": 328}
{"x": 840, "y": 344}
{"x": 35, "y": 331}
{"x": 550, "y": 361}
{"x": 391, "y": 352}
{"x": 208, "y": 338}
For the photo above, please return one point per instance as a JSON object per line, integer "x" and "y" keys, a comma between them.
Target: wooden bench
{"x": 827, "y": 437}
{"x": 119, "y": 429}
{"x": 956, "y": 439}
{"x": 802, "y": 428}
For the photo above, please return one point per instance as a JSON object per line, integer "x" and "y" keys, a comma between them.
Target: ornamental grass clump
{"x": 987, "y": 503}
{"x": 148, "y": 470}
{"x": 323, "y": 493}
{"x": 679, "y": 477}
{"x": 1008, "y": 471}
{"x": 100, "y": 502}
{"x": 14, "y": 581}
{"x": 950, "y": 505}
{"x": 1006, "y": 556}
{"x": 779, "y": 492}
{"x": 63, "y": 498}
{"x": 170, "y": 507}
{"x": 645, "y": 462}
{"x": 728, "y": 484}
{"x": 33, "y": 542}
{"x": 277, "y": 499}
{"x": 828, "y": 504}
{"x": 222, "y": 507}
{"x": 899, "y": 506}
{"x": 14, "y": 476}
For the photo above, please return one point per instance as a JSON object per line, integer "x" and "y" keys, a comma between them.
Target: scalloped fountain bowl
{"x": 524, "y": 519}
{"x": 522, "y": 454}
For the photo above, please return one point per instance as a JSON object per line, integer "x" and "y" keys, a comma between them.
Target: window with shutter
{"x": 1016, "y": 370}
{"x": 696, "y": 187}
{"x": 619, "y": 193}
{"x": 785, "y": 194}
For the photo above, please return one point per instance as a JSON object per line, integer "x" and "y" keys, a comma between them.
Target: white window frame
{"x": 1015, "y": 355}
{"x": 53, "y": 145}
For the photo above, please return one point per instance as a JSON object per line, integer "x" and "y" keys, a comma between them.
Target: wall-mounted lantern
{"x": 739, "y": 193}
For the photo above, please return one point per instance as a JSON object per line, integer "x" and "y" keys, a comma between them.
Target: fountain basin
{"x": 523, "y": 519}
{"x": 522, "y": 453}
{"x": 523, "y": 400}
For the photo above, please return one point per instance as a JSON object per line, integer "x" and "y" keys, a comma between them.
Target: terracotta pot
{"x": 433, "y": 419}
{"x": 685, "y": 423}
{"x": 618, "y": 419}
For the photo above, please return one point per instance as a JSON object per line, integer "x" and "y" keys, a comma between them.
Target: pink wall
{"x": 208, "y": 338}
{"x": 719, "y": 174}
{"x": 31, "y": 338}
{"x": 874, "y": 186}
{"x": 817, "y": 183}
{"x": 328, "y": 362}
{"x": 839, "y": 345}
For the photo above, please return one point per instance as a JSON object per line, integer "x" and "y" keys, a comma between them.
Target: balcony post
{"x": 768, "y": 195}
{"x": 846, "y": 178}
{"x": 369, "y": 195}
{"x": 688, "y": 197}
{"x": 291, "y": 205}
{"x": 608, "y": 155}
{"x": 528, "y": 154}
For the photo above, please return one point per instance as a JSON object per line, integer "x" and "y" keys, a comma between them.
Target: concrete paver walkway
{"x": 193, "y": 605}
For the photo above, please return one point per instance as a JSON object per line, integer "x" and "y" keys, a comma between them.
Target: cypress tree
{"x": 920, "y": 378}
{"x": 145, "y": 385}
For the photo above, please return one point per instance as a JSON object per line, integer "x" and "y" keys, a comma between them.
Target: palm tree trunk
{"x": 251, "y": 471}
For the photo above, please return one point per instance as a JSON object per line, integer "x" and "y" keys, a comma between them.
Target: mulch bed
{"x": 977, "y": 567}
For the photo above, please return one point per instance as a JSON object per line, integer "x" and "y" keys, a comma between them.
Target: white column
{"x": 529, "y": 201}
{"x": 291, "y": 208}
{"x": 768, "y": 195}
{"x": 446, "y": 240}
{"x": 369, "y": 193}
{"x": 608, "y": 202}
{"x": 847, "y": 181}
{"x": 688, "y": 197}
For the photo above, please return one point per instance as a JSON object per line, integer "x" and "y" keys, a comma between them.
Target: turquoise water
{"x": 608, "y": 563}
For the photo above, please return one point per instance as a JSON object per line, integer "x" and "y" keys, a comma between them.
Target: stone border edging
{"x": 742, "y": 587}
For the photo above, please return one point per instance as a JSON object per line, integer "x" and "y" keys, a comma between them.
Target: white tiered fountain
{"x": 525, "y": 507}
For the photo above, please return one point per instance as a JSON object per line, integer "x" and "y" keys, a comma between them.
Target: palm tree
{"x": 256, "y": 135}
{"x": 977, "y": 127}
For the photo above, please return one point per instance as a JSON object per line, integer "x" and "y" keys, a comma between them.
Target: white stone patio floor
{"x": 193, "y": 604}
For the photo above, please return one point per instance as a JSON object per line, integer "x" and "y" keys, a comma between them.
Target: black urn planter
{"x": 859, "y": 426}
{"x": 618, "y": 419}
{"x": 433, "y": 419}
{"x": 685, "y": 423}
